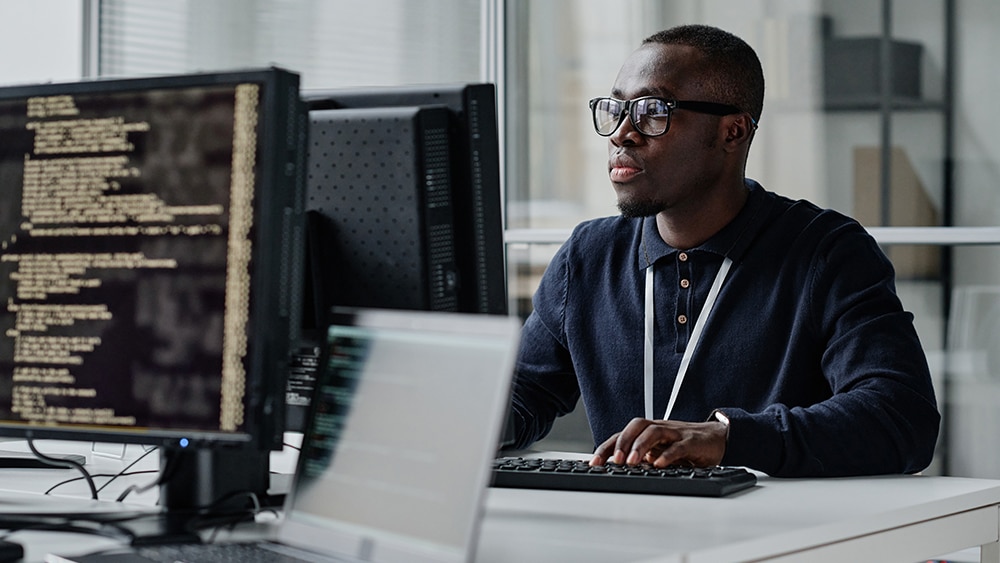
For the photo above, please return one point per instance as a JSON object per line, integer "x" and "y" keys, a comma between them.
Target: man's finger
{"x": 624, "y": 448}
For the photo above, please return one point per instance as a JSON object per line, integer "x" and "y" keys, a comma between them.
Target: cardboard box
{"x": 909, "y": 206}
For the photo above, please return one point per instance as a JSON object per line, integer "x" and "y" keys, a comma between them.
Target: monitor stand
{"x": 207, "y": 485}
{"x": 198, "y": 486}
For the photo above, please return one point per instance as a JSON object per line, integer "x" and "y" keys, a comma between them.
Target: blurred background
{"x": 881, "y": 109}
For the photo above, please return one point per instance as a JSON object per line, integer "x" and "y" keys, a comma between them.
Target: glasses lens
{"x": 607, "y": 115}
{"x": 651, "y": 116}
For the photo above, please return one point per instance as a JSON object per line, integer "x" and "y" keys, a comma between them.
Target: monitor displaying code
{"x": 125, "y": 246}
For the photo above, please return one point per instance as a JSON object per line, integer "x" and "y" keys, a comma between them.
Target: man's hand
{"x": 663, "y": 443}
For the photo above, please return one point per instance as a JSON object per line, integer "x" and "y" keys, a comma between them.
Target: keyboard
{"x": 215, "y": 552}
{"x": 578, "y": 475}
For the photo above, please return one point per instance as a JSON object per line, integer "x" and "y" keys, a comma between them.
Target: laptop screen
{"x": 406, "y": 418}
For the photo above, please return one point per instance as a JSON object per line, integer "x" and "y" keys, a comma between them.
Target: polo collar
{"x": 732, "y": 241}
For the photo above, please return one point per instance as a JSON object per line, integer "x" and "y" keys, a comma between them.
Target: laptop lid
{"x": 406, "y": 416}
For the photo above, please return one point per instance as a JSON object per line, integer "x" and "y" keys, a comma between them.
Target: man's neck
{"x": 686, "y": 228}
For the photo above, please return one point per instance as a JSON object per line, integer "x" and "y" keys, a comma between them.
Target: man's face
{"x": 675, "y": 170}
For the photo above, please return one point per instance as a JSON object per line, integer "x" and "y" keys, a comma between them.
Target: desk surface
{"x": 776, "y": 518}
{"x": 892, "y": 518}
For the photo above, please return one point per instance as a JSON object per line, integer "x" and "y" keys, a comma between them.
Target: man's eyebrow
{"x": 660, "y": 93}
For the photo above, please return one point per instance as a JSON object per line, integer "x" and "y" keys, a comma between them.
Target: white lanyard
{"x": 699, "y": 325}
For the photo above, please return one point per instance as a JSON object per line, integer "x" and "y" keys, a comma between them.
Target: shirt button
{"x": 682, "y": 319}
{"x": 685, "y": 283}
{"x": 683, "y": 257}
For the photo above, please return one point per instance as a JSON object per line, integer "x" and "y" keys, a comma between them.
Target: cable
{"x": 165, "y": 475}
{"x": 112, "y": 476}
{"x": 96, "y": 475}
{"x": 127, "y": 467}
{"x": 218, "y": 521}
{"x": 68, "y": 463}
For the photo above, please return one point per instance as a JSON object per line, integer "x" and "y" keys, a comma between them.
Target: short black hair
{"x": 734, "y": 72}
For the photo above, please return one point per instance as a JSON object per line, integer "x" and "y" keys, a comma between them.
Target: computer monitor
{"x": 403, "y": 208}
{"x": 473, "y": 166}
{"x": 150, "y": 268}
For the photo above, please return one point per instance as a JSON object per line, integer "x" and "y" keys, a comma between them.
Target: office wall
{"x": 41, "y": 40}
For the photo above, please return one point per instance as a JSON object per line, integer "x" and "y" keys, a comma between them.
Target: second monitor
{"x": 455, "y": 147}
{"x": 382, "y": 218}
{"x": 403, "y": 208}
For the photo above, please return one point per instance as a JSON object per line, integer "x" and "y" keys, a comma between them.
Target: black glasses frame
{"x": 628, "y": 106}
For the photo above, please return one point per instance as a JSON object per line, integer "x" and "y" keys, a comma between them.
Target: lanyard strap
{"x": 699, "y": 325}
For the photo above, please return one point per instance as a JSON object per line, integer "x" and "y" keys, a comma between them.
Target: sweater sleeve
{"x": 545, "y": 385}
{"x": 882, "y": 416}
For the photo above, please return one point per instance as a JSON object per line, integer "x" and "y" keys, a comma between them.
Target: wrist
{"x": 719, "y": 416}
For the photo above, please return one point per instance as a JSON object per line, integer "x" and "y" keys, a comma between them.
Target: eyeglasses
{"x": 649, "y": 115}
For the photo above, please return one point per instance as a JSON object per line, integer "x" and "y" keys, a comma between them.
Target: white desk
{"x": 897, "y": 518}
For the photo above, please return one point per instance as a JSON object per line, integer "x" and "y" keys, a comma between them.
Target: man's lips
{"x": 623, "y": 168}
{"x": 623, "y": 173}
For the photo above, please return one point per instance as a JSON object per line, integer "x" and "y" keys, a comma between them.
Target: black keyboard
{"x": 578, "y": 475}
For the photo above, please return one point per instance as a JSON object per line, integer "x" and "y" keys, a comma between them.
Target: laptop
{"x": 397, "y": 453}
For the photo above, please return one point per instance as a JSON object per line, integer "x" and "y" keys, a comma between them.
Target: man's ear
{"x": 739, "y": 129}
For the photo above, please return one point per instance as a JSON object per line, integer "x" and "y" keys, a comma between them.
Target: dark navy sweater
{"x": 807, "y": 350}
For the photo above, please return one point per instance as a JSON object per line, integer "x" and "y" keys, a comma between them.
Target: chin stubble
{"x": 636, "y": 209}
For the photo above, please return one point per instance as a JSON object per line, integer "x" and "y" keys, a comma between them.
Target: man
{"x": 714, "y": 322}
